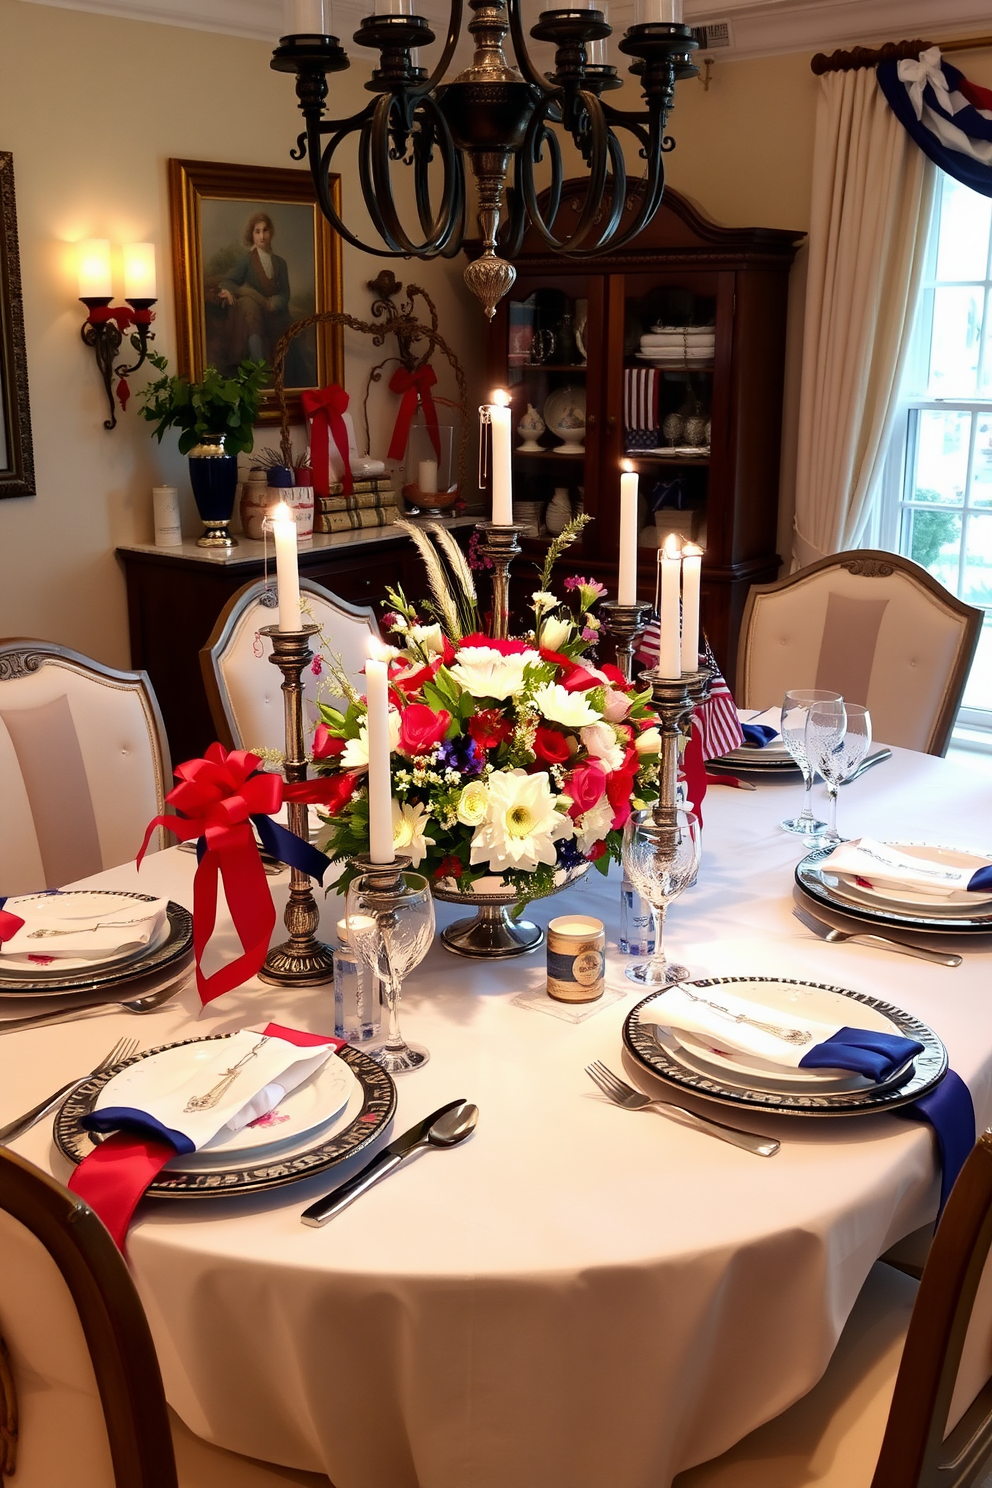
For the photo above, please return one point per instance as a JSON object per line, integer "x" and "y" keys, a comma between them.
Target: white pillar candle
{"x": 627, "y": 579}
{"x": 670, "y": 643}
{"x": 427, "y": 476}
{"x": 94, "y": 270}
{"x": 380, "y": 782}
{"x": 139, "y": 271}
{"x": 168, "y": 527}
{"x": 499, "y": 418}
{"x": 287, "y": 569}
{"x": 692, "y": 565}
{"x": 308, "y": 18}
{"x": 669, "y": 11}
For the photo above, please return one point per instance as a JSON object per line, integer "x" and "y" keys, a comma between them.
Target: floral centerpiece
{"x": 519, "y": 759}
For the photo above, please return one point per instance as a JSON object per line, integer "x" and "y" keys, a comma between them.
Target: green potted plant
{"x": 215, "y": 418}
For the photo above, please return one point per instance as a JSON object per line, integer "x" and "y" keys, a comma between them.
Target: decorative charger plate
{"x": 926, "y": 1070}
{"x": 362, "y": 1122}
{"x": 752, "y": 762}
{"x": 176, "y": 944}
{"x": 824, "y": 888}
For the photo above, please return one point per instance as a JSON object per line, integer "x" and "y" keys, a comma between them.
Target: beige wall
{"x": 92, "y": 108}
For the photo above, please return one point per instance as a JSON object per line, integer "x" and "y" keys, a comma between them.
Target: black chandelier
{"x": 493, "y": 113}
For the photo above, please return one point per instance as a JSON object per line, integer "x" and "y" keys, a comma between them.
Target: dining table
{"x": 578, "y": 1294}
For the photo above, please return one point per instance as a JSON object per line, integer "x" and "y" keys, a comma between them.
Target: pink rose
{"x": 586, "y": 785}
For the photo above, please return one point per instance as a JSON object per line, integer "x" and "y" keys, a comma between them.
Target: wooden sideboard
{"x": 174, "y": 596}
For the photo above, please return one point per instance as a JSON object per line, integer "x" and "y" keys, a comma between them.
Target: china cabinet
{"x": 669, "y": 354}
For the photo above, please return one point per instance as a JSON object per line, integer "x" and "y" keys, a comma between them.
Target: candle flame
{"x": 692, "y": 551}
{"x": 501, "y": 399}
{"x": 672, "y": 549}
{"x": 627, "y": 466}
{"x": 378, "y": 650}
{"x": 283, "y": 513}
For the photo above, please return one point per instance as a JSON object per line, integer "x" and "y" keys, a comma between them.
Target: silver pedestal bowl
{"x": 492, "y": 931}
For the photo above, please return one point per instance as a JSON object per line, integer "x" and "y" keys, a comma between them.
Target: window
{"x": 936, "y": 504}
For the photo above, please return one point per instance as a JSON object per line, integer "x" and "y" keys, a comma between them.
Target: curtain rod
{"x": 892, "y": 51}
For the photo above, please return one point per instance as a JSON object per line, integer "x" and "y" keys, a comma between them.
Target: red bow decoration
{"x": 324, "y": 407}
{"x": 415, "y": 388}
{"x": 216, "y": 798}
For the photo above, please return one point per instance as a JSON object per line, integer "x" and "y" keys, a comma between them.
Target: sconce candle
{"x": 309, "y": 17}
{"x": 380, "y": 785}
{"x": 95, "y": 281}
{"x": 692, "y": 563}
{"x": 139, "y": 271}
{"x": 287, "y": 567}
{"x": 499, "y": 418}
{"x": 627, "y": 578}
{"x": 670, "y": 642}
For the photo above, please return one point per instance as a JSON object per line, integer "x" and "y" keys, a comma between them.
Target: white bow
{"x": 917, "y": 74}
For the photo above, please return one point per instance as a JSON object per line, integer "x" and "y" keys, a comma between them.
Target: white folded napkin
{"x": 270, "y": 1067}
{"x": 885, "y": 866}
{"x": 766, "y": 717}
{"x": 677, "y": 1009}
{"x": 85, "y": 926}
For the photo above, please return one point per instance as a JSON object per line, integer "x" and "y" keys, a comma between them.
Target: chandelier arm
{"x": 454, "y": 192}
{"x": 522, "y": 55}
{"x": 451, "y": 41}
{"x": 321, "y": 158}
{"x": 654, "y": 186}
{"x": 377, "y": 185}
{"x": 599, "y": 158}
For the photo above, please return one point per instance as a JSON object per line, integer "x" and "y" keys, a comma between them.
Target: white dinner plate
{"x": 87, "y": 904}
{"x": 917, "y": 899}
{"x": 734, "y": 1069}
{"x": 303, "y": 1112}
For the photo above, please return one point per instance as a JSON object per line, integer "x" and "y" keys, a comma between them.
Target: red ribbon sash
{"x": 415, "y": 388}
{"x": 115, "y": 1176}
{"x": 324, "y": 407}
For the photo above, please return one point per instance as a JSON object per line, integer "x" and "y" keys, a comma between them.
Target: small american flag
{"x": 719, "y": 726}
{"x": 640, "y": 397}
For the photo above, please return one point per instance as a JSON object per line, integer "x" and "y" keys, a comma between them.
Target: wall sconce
{"x": 105, "y": 324}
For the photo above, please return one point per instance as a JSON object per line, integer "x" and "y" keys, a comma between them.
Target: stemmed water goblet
{"x": 795, "y": 711}
{"x": 661, "y": 862}
{"x": 391, "y": 930}
{"x": 835, "y": 746}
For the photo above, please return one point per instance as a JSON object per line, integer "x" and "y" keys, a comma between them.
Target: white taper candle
{"x": 287, "y": 569}
{"x": 380, "y": 781}
{"x": 627, "y": 579}
{"x": 670, "y": 643}
{"x": 499, "y": 417}
{"x": 692, "y": 564}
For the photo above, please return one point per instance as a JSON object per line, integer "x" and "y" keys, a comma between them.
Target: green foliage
{"x": 565, "y": 539}
{"x": 217, "y": 405}
{"x": 931, "y": 531}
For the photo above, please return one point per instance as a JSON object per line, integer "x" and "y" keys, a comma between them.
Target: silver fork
{"x": 622, "y": 1094}
{"x": 119, "y": 1054}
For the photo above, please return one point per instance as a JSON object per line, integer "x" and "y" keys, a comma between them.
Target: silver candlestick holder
{"x": 302, "y": 960}
{"x": 624, "y": 624}
{"x": 500, "y": 544}
{"x": 674, "y": 699}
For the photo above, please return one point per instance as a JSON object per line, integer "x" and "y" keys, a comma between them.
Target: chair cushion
{"x": 832, "y": 1436}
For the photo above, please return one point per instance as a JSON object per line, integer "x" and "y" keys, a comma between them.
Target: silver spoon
{"x": 143, "y": 1004}
{"x": 446, "y": 1128}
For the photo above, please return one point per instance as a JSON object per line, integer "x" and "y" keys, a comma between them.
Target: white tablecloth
{"x": 578, "y": 1295}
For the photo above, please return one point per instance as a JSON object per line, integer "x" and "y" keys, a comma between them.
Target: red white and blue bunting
{"x": 948, "y": 117}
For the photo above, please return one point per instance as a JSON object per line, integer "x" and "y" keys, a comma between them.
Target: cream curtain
{"x": 872, "y": 198}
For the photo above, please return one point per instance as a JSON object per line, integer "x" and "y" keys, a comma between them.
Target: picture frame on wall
{"x": 253, "y": 254}
{"x": 16, "y": 448}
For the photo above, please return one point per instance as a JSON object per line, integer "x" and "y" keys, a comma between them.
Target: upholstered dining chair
{"x": 874, "y": 627}
{"x": 244, "y": 688}
{"x": 81, "y": 1398}
{"x": 906, "y": 1401}
{"x": 84, "y": 765}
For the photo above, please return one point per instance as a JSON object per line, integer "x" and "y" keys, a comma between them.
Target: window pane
{"x": 933, "y": 540}
{"x": 941, "y": 456}
{"x": 978, "y": 693}
{"x": 977, "y": 585}
{"x": 963, "y": 245}
{"x": 981, "y": 474}
{"x": 957, "y": 327}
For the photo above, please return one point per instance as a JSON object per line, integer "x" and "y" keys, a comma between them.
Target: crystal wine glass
{"x": 659, "y": 869}
{"x": 795, "y": 711}
{"x": 392, "y": 932}
{"x": 835, "y": 747}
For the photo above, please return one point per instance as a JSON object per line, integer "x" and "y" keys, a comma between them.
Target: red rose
{"x": 551, "y": 746}
{"x": 421, "y": 728}
{"x": 579, "y": 680}
{"x": 586, "y": 785}
{"x": 489, "y": 728}
{"x": 596, "y": 851}
{"x": 505, "y": 648}
{"x": 557, "y": 659}
{"x": 619, "y": 789}
{"x": 412, "y": 681}
{"x": 337, "y": 791}
{"x": 391, "y": 620}
{"x": 616, "y": 676}
{"x": 448, "y": 651}
{"x": 325, "y": 744}
{"x": 449, "y": 868}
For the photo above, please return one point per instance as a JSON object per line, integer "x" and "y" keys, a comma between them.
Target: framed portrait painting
{"x": 252, "y": 254}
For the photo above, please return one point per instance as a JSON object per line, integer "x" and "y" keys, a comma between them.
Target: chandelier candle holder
{"x": 492, "y": 114}
{"x": 302, "y": 960}
{"x": 625, "y": 624}
{"x": 500, "y": 544}
{"x": 674, "y": 699}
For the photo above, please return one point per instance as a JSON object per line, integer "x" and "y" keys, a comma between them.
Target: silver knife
{"x": 386, "y": 1161}
{"x": 835, "y": 937}
{"x": 868, "y": 764}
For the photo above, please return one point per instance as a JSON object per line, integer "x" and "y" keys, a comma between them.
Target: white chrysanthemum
{"x": 356, "y": 751}
{"x": 569, "y": 708}
{"x": 485, "y": 673}
{"x": 555, "y": 633}
{"x": 473, "y": 804}
{"x": 648, "y": 742}
{"x": 429, "y": 637}
{"x": 409, "y": 821}
{"x": 601, "y": 741}
{"x": 522, "y": 823}
{"x": 593, "y": 825}
{"x": 543, "y": 600}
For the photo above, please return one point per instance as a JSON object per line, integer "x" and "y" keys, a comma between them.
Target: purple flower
{"x": 476, "y": 560}
{"x": 568, "y": 854}
{"x": 462, "y": 754}
{"x": 317, "y": 665}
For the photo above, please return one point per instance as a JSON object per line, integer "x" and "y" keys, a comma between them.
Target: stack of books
{"x": 372, "y": 503}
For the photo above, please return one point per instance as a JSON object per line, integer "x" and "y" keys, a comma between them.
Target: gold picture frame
{"x": 231, "y": 302}
{"x": 16, "y": 449}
